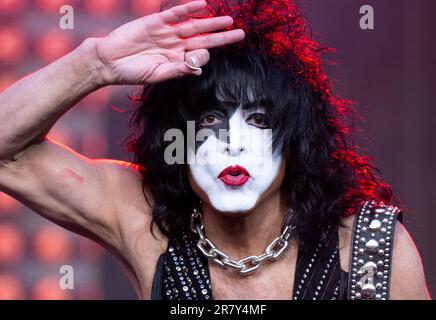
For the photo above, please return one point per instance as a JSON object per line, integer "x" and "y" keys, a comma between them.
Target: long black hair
{"x": 325, "y": 178}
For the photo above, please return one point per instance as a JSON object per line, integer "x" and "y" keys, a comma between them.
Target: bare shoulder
{"x": 408, "y": 280}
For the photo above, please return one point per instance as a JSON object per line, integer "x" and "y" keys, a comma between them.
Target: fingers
{"x": 214, "y": 39}
{"x": 196, "y": 59}
{"x": 178, "y": 13}
{"x": 168, "y": 71}
{"x": 196, "y": 26}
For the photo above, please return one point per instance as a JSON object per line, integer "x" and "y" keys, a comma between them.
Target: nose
{"x": 236, "y": 140}
{"x": 234, "y": 151}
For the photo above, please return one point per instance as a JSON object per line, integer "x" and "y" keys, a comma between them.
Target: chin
{"x": 234, "y": 203}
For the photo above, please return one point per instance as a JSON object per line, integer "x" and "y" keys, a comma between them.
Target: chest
{"x": 269, "y": 283}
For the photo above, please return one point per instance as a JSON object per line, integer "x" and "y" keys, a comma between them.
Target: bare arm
{"x": 408, "y": 279}
{"x": 57, "y": 182}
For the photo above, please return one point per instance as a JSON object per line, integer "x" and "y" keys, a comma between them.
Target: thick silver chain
{"x": 246, "y": 265}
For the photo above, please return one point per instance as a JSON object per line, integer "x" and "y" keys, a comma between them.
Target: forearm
{"x": 31, "y": 106}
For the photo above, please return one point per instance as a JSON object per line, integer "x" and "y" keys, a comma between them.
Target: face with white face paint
{"x": 233, "y": 168}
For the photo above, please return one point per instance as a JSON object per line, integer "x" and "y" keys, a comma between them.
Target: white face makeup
{"x": 235, "y": 169}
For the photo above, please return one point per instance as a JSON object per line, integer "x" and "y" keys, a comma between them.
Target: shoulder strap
{"x": 371, "y": 251}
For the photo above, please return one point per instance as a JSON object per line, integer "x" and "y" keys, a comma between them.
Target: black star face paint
{"x": 233, "y": 162}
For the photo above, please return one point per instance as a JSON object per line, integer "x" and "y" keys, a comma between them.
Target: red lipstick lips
{"x": 234, "y": 176}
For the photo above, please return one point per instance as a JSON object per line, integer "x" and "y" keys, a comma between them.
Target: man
{"x": 110, "y": 201}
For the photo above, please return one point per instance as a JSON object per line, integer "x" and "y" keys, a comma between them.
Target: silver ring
{"x": 191, "y": 67}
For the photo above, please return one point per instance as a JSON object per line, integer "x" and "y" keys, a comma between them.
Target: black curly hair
{"x": 325, "y": 178}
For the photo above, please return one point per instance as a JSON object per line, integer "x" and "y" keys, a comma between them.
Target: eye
{"x": 209, "y": 120}
{"x": 259, "y": 120}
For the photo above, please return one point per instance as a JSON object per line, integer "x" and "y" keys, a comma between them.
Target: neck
{"x": 248, "y": 233}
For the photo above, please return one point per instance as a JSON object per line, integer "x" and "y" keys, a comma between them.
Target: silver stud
{"x": 368, "y": 291}
{"x": 375, "y": 225}
{"x": 371, "y": 246}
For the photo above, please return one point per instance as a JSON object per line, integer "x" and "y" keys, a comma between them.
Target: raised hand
{"x": 155, "y": 48}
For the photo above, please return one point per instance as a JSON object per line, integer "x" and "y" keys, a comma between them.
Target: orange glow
{"x": 52, "y": 245}
{"x": 53, "y": 6}
{"x": 61, "y": 135}
{"x": 144, "y": 7}
{"x": 8, "y": 204}
{"x": 11, "y": 244}
{"x": 48, "y": 289}
{"x": 12, "y": 44}
{"x": 10, "y": 287}
{"x": 11, "y": 5}
{"x": 102, "y": 7}
{"x": 53, "y": 44}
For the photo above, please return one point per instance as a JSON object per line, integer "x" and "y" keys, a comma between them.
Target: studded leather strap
{"x": 371, "y": 252}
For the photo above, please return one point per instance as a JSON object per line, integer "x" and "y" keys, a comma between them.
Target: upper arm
{"x": 69, "y": 189}
{"x": 407, "y": 278}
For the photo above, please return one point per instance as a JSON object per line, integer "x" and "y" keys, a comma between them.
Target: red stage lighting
{"x": 11, "y": 6}
{"x": 53, "y": 45}
{"x": 52, "y": 245}
{"x": 11, "y": 244}
{"x": 102, "y": 7}
{"x": 12, "y": 46}
{"x": 145, "y": 7}
{"x": 48, "y": 289}
{"x": 61, "y": 135}
{"x": 10, "y": 287}
{"x": 53, "y": 6}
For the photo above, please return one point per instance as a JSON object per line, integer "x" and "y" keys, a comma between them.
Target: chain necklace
{"x": 246, "y": 265}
